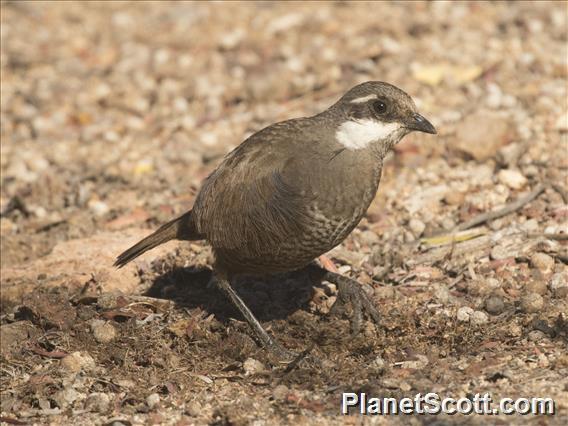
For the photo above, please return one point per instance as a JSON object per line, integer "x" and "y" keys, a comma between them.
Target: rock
{"x": 369, "y": 238}
{"x": 7, "y": 226}
{"x": 417, "y": 227}
{"x": 543, "y": 262}
{"x": 515, "y": 330}
{"x": 512, "y": 178}
{"x": 479, "y": 318}
{"x": 280, "y": 392}
{"x": 419, "y": 363}
{"x": 67, "y": 397}
{"x": 562, "y": 122}
{"x": 536, "y": 336}
{"x": 441, "y": 293}
{"x": 78, "y": 361}
{"x": 454, "y": 198}
{"x": 378, "y": 363}
{"x": 14, "y": 336}
{"x": 48, "y": 310}
{"x": 493, "y": 283}
{"x": 152, "y": 400}
{"x": 558, "y": 285}
{"x": 464, "y": 314}
{"x": 479, "y": 287}
{"x": 74, "y": 262}
{"x": 536, "y": 286}
{"x": 126, "y": 383}
{"x": 483, "y": 141}
{"x": 98, "y": 402}
{"x": 426, "y": 199}
{"x": 253, "y": 366}
{"x": 193, "y": 409}
{"x": 532, "y": 302}
{"x": 98, "y": 207}
{"x": 103, "y": 331}
{"x": 494, "y": 305}
{"x": 500, "y": 252}
{"x": 530, "y": 225}
{"x": 509, "y": 154}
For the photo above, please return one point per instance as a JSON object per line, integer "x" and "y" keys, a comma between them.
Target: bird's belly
{"x": 334, "y": 211}
{"x": 320, "y": 234}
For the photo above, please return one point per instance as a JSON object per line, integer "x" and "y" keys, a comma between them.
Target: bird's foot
{"x": 280, "y": 352}
{"x": 351, "y": 292}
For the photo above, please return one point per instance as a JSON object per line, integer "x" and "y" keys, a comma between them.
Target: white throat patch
{"x": 359, "y": 134}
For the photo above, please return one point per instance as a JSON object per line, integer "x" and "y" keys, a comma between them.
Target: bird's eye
{"x": 379, "y": 107}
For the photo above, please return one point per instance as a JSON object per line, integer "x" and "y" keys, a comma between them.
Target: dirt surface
{"x": 113, "y": 113}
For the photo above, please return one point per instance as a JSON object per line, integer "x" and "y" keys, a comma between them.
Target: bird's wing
{"x": 251, "y": 199}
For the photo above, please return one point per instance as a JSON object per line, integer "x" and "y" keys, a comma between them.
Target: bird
{"x": 293, "y": 191}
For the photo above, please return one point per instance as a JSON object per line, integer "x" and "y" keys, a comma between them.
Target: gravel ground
{"x": 113, "y": 113}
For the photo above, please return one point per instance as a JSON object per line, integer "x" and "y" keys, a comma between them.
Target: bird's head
{"x": 377, "y": 113}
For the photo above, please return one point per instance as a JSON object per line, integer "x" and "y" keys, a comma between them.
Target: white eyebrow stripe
{"x": 363, "y": 99}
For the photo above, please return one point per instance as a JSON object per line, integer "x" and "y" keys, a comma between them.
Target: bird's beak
{"x": 419, "y": 123}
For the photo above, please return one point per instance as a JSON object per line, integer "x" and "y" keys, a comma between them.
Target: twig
{"x": 509, "y": 208}
{"x": 558, "y": 237}
{"x": 11, "y": 421}
{"x": 456, "y": 281}
{"x": 48, "y": 354}
{"x": 563, "y": 193}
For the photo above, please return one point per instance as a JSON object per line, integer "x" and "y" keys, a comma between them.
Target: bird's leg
{"x": 265, "y": 339}
{"x": 350, "y": 291}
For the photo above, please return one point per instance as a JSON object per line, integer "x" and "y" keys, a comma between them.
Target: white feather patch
{"x": 363, "y": 99}
{"x": 358, "y": 134}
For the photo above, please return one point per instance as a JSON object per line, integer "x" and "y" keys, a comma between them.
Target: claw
{"x": 350, "y": 291}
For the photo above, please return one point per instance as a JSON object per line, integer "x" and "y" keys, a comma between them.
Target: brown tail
{"x": 181, "y": 228}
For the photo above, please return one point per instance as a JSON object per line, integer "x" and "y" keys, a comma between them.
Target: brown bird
{"x": 293, "y": 191}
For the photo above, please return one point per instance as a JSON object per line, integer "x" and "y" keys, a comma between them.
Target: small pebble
{"x": 543, "y": 262}
{"x": 532, "y": 302}
{"x": 419, "y": 363}
{"x": 378, "y": 363}
{"x": 454, "y": 198}
{"x": 512, "y": 178}
{"x": 493, "y": 283}
{"x": 536, "y": 286}
{"x": 515, "y": 330}
{"x": 479, "y": 318}
{"x": 464, "y": 313}
{"x": 417, "y": 227}
{"x": 99, "y": 208}
{"x": 253, "y": 366}
{"x": 280, "y": 392}
{"x": 500, "y": 252}
{"x": 98, "y": 402}
{"x": 78, "y": 361}
{"x": 494, "y": 305}
{"x": 559, "y": 285}
{"x": 152, "y": 400}
{"x": 369, "y": 238}
{"x": 193, "y": 409}
{"x": 103, "y": 332}
{"x": 530, "y": 225}
{"x": 536, "y": 336}
{"x": 67, "y": 396}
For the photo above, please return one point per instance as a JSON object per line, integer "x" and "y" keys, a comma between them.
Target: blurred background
{"x": 112, "y": 113}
